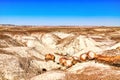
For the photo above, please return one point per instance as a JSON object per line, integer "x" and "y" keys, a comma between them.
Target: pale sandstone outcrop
{"x": 10, "y": 67}
{"x": 51, "y": 75}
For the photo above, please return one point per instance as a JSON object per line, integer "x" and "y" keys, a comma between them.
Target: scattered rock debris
{"x": 31, "y": 53}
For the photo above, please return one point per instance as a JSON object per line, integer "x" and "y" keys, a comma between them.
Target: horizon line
{"x": 17, "y": 25}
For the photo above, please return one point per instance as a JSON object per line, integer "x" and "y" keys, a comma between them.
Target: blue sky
{"x": 60, "y": 12}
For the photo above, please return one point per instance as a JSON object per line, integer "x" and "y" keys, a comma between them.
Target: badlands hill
{"x": 59, "y": 53}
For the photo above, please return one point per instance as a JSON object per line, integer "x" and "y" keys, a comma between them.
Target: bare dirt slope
{"x": 59, "y": 53}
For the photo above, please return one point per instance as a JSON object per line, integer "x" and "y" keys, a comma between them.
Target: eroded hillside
{"x": 59, "y": 53}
